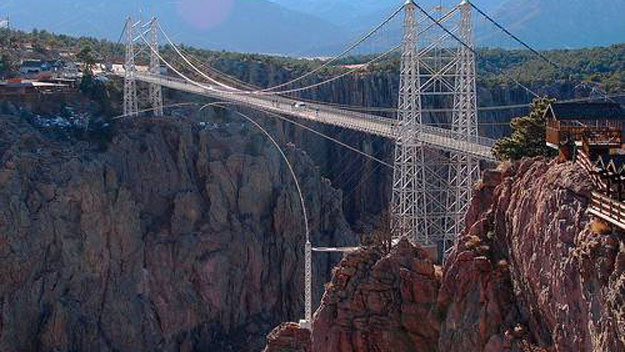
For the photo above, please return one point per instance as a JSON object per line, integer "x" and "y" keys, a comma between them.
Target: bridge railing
{"x": 443, "y": 132}
{"x": 439, "y": 137}
{"x": 438, "y": 131}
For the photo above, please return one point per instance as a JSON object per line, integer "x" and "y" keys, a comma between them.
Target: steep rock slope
{"x": 529, "y": 274}
{"x": 375, "y": 302}
{"x": 176, "y": 238}
{"x": 568, "y": 283}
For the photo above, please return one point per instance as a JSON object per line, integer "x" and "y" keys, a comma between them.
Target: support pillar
{"x": 464, "y": 171}
{"x": 408, "y": 204}
{"x": 155, "y": 90}
{"x": 130, "y": 83}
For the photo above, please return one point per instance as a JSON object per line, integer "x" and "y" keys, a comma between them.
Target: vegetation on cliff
{"x": 528, "y": 136}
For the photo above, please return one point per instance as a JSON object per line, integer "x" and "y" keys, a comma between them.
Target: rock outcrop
{"x": 375, "y": 302}
{"x": 289, "y": 337}
{"x": 379, "y": 302}
{"x": 532, "y": 272}
{"x": 178, "y": 237}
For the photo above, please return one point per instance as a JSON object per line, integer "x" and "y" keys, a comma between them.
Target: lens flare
{"x": 205, "y": 14}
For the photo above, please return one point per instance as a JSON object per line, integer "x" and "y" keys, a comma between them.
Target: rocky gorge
{"x": 184, "y": 234}
{"x": 178, "y": 236}
{"x": 532, "y": 272}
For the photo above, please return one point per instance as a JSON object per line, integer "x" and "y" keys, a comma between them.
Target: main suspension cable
{"x": 468, "y": 47}
{"x": 345, "y": 52}
{"x": 191, "y": 65}
{"x": 517, "y": 39}
{"x": 360, "y": 67}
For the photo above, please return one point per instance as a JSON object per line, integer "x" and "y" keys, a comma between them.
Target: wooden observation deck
{"x": 599, "y": 125}
{"x": 589, "y": 133}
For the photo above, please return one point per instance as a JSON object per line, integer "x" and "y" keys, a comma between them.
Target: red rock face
{"x": 288, "y": 337}
{"x": 528, "y": 275}
{"x": 176, "y": 238}
{"x": 379, "y": 303}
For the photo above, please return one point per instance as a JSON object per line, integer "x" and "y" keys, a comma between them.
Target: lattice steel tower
{"x": 152, "y": 96}
{"x": 464, "y": 170}
{"x": 131, "y": 107}
{"x": 432, "y": 188}
{"x": 408, "y": 208}
{"x": 155, "y": 90}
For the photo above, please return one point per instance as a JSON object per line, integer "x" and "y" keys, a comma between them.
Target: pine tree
{"x": 528, "y": 135}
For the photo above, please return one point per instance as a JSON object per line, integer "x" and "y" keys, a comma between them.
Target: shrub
{"x": 600, "y": 227}
{"x": 473, "y": 242}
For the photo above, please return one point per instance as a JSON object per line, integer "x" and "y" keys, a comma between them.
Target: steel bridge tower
{"x": 432, "y": 188}
{"x": 135, "y": 98}
{"x": 155, "y": 90}
{"x": 464, "y": 170}
{"x": 131, "y": 106}
{"x": 408, "y": 203}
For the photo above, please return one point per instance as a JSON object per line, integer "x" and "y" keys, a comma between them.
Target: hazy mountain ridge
{"x": 251, "y": 26}
{"x": 565, "y": 24}
{"x": 543, "y": 23}
{"x": 323, "y": 27}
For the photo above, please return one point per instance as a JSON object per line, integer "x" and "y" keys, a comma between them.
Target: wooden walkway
{"x": 608, "y": 209}
{"x": 607, "y": 202}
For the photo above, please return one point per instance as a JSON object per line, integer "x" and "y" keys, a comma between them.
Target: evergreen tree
{"x": 87, "y": 57}
{"x": 528, "y": 135}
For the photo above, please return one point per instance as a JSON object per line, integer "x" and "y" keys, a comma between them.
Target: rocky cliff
{"x": 178, "y": 237}
{"x": 532, "y": 272}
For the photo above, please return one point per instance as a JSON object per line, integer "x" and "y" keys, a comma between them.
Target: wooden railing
{"x": 605, "y": 203}
{"x": 607, "y": 209}
{"x": 593, "y": 171}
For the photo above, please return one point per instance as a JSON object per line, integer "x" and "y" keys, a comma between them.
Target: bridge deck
{"x": 440, "y": 138}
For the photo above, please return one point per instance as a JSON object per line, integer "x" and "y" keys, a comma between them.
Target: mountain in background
{"x": 565, "y": 23}
{"x": 237, "y": 25}
{"x": 545, "y": 24}
{"x": 318, "y": 27}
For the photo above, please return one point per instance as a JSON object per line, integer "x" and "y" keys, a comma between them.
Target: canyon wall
{"x": 532, "y": 272}
{"x": 178, "y": 236}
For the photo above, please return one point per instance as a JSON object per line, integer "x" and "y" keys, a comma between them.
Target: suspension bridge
{"x": 434, "y": 167}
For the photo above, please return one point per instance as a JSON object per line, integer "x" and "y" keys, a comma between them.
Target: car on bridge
{"x": 299, "y": 105}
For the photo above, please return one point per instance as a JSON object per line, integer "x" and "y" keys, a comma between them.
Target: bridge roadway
{"x": 440, "y": 138}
